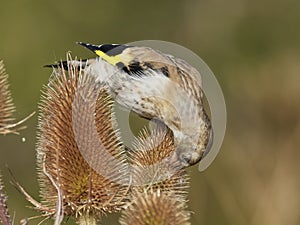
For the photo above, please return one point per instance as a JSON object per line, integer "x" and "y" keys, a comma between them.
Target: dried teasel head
{"x": 159, "y": 184}
{"x": 4, "y": 216}
{"x": 7, "y": 124}
{"x": 6, "y": 105}
{"x": 155, "y": 207}
{"x": 153, "y": 165}
{"x": 80, "y": 156}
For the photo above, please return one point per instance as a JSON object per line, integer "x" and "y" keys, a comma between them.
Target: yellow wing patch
{"x": 110, "y": 59}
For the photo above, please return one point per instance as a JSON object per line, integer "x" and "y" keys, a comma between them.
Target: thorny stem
{"x": 4, "y": 216}
{"x": 59, "y": 208}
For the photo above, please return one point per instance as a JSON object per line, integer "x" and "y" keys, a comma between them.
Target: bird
{"x": 155, "y": 85}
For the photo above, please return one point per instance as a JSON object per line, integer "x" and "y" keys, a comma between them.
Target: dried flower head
{"x": 155, "y": 207}
{"x": 6, "y": 105}
{"x": 81, "y": 159}
{"x": 7, "y": 124}
{"x": 159, "y": 184}
{"x": 153, "y": 165}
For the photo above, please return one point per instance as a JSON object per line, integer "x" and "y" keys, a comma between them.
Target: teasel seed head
{"x": 153, "y": 165}
{"x": 155, "y": 207}
{"x": 80, "y": 157}
{"x": 7, "y": 108}
{"x": 6, "y": 105}
{"x": 159, "y": 183}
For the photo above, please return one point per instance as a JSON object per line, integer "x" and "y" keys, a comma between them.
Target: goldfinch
{"x": 156, "y": 85}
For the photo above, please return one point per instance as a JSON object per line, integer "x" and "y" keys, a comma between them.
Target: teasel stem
{"x": 4, "y": 215}
{"x": 59, "y": 208}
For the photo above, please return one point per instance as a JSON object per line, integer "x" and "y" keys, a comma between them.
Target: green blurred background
{"x": 252, "y": 47}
